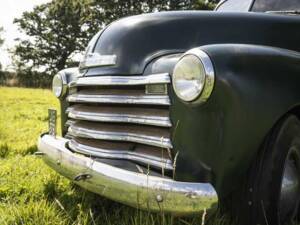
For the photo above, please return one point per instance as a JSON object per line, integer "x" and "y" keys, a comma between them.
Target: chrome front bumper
{"x": 134, "y": 189}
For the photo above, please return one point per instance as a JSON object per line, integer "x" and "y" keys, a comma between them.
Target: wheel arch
{"x": 295, "y": 111}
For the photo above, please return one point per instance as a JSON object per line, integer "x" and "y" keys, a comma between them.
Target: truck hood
{"x": 137, "y": 40}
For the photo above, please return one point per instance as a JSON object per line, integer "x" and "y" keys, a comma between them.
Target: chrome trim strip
{"x": 120, "y": 136}
{"x": 120, "y": 99}
{"x": 223, "y": 1}
{"x": 121, "y": 154}
{"x": 121, "y": 118}
{"x": 219, "y": 4}
{"x": 160, "y": 78}
{"x": 131, "y": 188}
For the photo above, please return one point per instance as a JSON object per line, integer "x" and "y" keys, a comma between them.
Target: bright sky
{"x": 10, "y": 9}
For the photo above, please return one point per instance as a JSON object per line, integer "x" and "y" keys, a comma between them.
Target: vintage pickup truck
{"x": 186, "y": 111}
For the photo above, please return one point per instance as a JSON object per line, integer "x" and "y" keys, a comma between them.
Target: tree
{"x": 61, "y": 28}
{"x": 56, "y": 30}
{"x": 1, "y": 39}
{"x": 2, "y": 74}
{"x": 1, "y": 43}
{"x": 115, "y": 9}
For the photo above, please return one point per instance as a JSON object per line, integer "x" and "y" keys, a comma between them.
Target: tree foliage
{"x": 115, "y": 9}
{"x": 59, "y": 29}
{"x": 1, "y": 43}
{"x": 56, "y": 31}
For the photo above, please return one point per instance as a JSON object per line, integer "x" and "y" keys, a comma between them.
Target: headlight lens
{"x": 57, "y": 85}
{"x": 194, "y": 76}
{"x": 188, "y": 78}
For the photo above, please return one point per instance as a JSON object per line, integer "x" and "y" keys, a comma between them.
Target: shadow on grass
{"x": 30, "y": 150}
{"x": 43, "y": 119}
{"x": 4, "y": 151}
{"x": 78, "y": 202}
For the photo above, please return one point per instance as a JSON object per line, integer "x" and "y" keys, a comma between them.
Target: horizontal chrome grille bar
{"x": 119, "y": 134}
{"x": 120, "y": 99}
{"x": 146, "y": 159}
{"x": 156, "y": 117}
{"x": 161, "y": 78}
{"x": 70, "y": 122}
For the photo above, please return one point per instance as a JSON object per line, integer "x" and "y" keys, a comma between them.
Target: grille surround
{"x": 118, "y": 109}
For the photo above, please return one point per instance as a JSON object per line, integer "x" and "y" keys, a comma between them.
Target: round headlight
{"x": 58, "y": 86}
{"x": 193, "y": 76}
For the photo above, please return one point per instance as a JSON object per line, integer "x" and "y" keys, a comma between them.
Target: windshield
{"x": 276, "y": 5}
{"x": 258, "y": 5}
{"x": 235, "y": 6}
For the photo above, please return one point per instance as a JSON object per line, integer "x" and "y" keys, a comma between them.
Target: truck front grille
{"x": 113, "y": 117}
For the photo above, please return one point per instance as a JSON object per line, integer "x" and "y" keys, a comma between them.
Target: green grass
{"x": 31, "y": 193}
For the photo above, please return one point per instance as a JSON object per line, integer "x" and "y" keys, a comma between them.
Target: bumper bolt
{"x": 159, "y": 198}
{"x": 82, "y": 176}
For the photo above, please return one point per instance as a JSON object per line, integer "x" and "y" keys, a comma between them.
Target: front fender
{"x": 254, "y": 87}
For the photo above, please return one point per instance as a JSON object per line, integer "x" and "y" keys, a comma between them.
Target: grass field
{"x": 31, "y": 193}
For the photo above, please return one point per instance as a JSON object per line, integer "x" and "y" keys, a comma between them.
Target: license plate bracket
{"x": 52, "y": 113}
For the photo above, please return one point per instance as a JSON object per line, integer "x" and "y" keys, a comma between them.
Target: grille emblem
{"x": 95, "y": 59}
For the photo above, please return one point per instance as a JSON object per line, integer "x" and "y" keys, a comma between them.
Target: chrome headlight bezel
{"x": 59, "y": 85}
{"x": 203, "y": 85}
